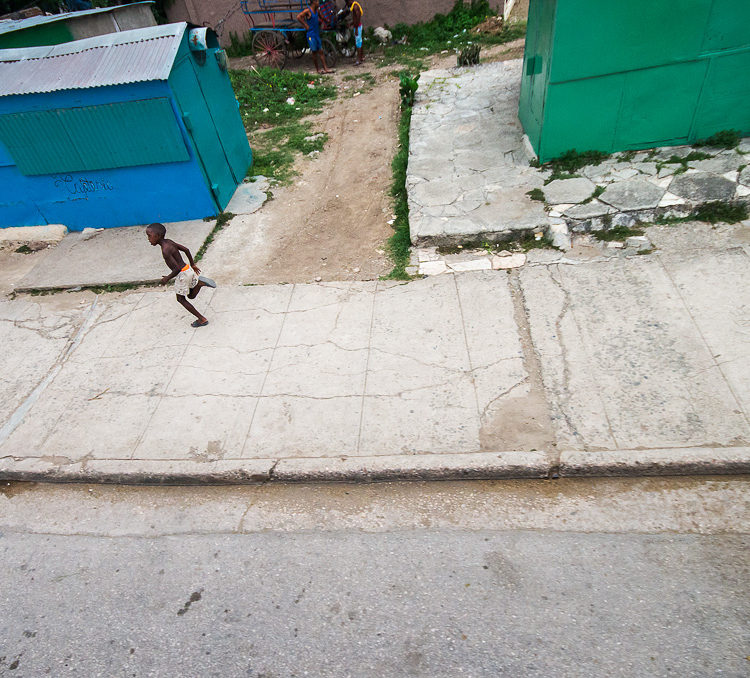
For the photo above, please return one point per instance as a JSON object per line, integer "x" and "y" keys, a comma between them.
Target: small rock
{"x": 742, "y": 191}
{"x": 562, "y": 241}
{"x": 513, "y": 261}
{"x": 504, "y": 253}
{"x": 383, "y": 35}
{"x": 88, "y": 233}
{"x": 638, "y": 242}
{"x": 318, "y": 279}
{"x": 411, "y": 270}
{"x": 356, "y": 269}
{"x": 615, "y": 245}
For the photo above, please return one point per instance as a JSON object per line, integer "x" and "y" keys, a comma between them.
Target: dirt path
{"x": 332, "y": 222}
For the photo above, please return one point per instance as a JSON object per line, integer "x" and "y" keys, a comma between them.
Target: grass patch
{"x": 263, "y": 94}
{"x": 714, "y": 212}
{"x": 24, "y": 249}
{"x": 222, "y": 220}
{"x": 452, "y": 31}
{"x": 616, "y": 233}
{"x": 536, "y": 194}
{"x": 399, "y": 243}
{"x": 727, "y": 138}
{"x": 565, "y": 166}
{"x": 275, "y": 150}
{"x": 277, "y": 133}
{"x": 729, "y": 212}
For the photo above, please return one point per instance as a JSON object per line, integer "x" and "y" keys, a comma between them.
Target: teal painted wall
{"x": 53, "y": 33}
{"x": 210, "y": 111}
{"x": 614, "y": 76}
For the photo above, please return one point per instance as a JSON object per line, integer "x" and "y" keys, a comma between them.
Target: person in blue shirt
{"x": 311, "y": 21}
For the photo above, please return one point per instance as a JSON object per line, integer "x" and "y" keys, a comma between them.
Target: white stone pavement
{"x": 468, "y": 172}
{"x": 469, "y": 178}
{"x": 632, "y": 361}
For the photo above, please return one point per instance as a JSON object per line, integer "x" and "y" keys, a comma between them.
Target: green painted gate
{"x": 600, "y": 75}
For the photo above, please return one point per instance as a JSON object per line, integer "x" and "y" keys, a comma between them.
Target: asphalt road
{"x": 575, "y": 578}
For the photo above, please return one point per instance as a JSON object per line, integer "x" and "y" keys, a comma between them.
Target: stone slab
{"x": 110, "y": 257}
{"x": 702, "y": 187}
{"x": 249, "y": 197}
{"x": 569, "y": 190}
{"x": 633, "y": 194}
{"x": 588, "y": 210}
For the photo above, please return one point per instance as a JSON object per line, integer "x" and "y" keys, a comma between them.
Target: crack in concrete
{"x": 17, "y": 417}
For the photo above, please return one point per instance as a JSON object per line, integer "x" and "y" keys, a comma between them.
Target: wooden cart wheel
{"x": 330, "y": 51}
{"x": 269, "y": 49}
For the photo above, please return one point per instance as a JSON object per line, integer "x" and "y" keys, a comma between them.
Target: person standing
{"x": 310, "y": 19}
{"x": 356, "y": 10}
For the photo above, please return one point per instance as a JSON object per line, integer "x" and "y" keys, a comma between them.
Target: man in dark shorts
{"x": 310, "y": 19}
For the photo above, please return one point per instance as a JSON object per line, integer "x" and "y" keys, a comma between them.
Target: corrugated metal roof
{"x": 10, "y": 25}
{"x": 139, "y": 55}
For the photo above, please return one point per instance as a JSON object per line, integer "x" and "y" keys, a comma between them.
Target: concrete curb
{"x": 475, "y": 466}
{"x": 658, "y": 462}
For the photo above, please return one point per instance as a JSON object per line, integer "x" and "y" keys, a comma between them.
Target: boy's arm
{"x": 357, "y": 16}
{"x": 184, "y": 249}
{"x": 302, "y": 16}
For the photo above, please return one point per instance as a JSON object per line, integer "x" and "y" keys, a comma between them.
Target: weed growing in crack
{"x": 536, "y": 194}
{"x": 565, "y": 166}
{"x": 222, "y": 220}
{"x": 616, "y": 233}
{"x": 399, "y": 243}
{"x": 727, "y": 138}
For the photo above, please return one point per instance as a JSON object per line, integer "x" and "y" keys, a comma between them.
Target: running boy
{"x": 187, "y": 282}
{"x": 310, "y": 19}
{"x": 356, "y": 10}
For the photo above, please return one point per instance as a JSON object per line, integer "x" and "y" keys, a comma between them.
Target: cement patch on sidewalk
{"x": 112, "y": 256}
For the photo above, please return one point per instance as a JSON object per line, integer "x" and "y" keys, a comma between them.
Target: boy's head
{"x": 314, "y": 4}
{"x": 155, "y": 233}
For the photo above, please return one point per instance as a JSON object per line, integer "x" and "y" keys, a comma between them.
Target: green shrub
{"x": 469, "y": 56}
{"x": 408, "y": 89}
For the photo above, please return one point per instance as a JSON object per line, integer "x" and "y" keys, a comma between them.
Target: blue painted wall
{"x": 219, "y": 156}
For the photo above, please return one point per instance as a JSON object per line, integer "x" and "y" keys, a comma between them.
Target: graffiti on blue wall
{"x": 81, "y": 186}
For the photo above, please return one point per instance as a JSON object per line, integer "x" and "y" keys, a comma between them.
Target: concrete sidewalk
{"x": 632, "y": 365}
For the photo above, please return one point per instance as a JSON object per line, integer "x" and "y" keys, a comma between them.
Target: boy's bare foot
{"x": 199, "y": 323}
{"x": 330, "y": 70}
{"x": 206, "y": 281}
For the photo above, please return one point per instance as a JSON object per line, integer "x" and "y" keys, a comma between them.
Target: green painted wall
{"x": 53, "y": 33}
{"x": 609, "y": 76}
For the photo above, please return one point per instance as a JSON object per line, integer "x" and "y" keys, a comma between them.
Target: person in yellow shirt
{"x": 356, "y": 10}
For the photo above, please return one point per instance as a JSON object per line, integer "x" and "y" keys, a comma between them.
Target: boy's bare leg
{"x": 189, "y": 307}
{"x": 316, "y": 62}
{"x": 192, "y": 294}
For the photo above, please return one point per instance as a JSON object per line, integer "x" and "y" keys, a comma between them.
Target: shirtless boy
{"x": 188, "y": 282}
